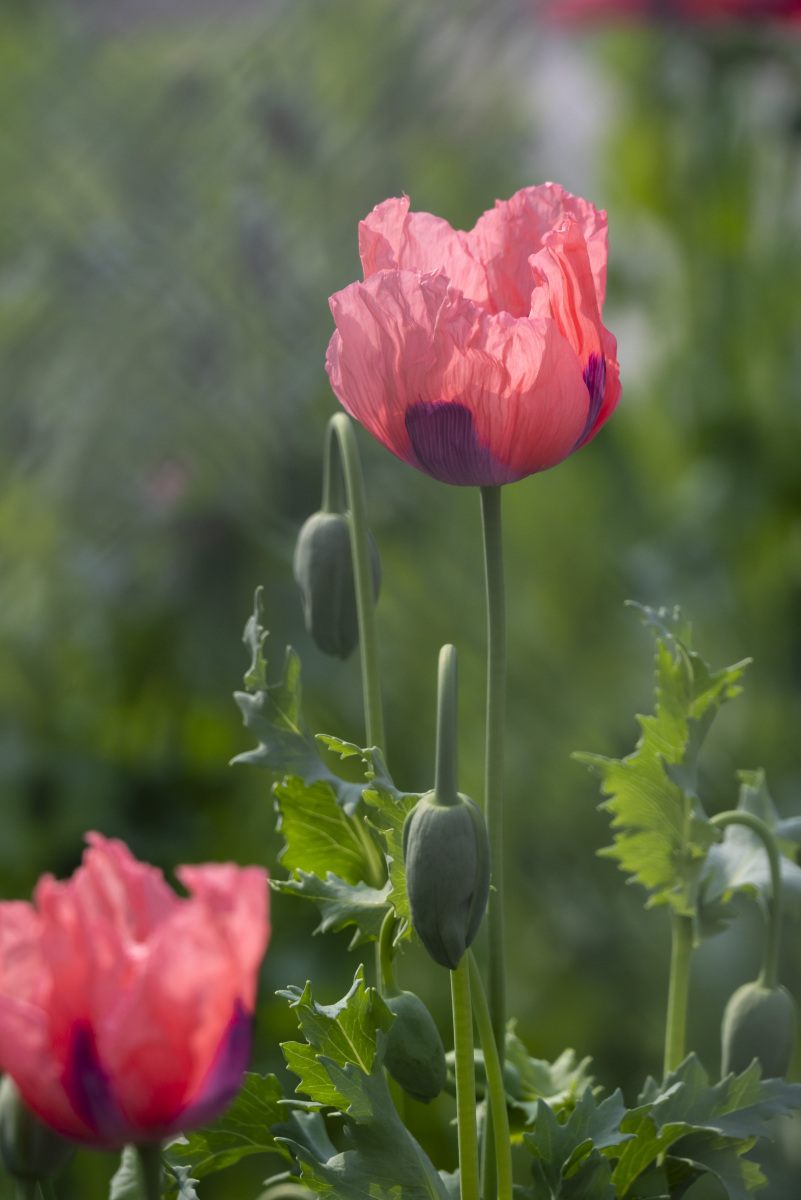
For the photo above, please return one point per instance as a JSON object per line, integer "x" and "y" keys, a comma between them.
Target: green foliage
{"x": 244, "y": 1129}
{"x": 678, "y": 1132}
{"x": 273, "y": 713}
{"x": 663, "y": 835}
{"x": 341, "y": 904}
{"x": 319, "y": 836}
{"x": 739, "y": 863}
{"x": 341, "y": 1064}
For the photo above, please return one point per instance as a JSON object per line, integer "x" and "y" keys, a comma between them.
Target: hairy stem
{"x": 495, "y": 1088}
{"x": 769, "y": 976}
{"x": 678, "y": 991}
{"x": 465, "y": 1081}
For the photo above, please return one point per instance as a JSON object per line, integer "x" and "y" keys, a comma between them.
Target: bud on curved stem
{"x": 446, "y": 846}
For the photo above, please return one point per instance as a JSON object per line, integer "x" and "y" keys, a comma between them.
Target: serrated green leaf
{"x": 346, "y": 1042}
{"x": 343, "y": 1033}
{"x": 559, "y": 1083}
{"x": 388, "y": 813}
{"x": 737, "y": 1109}
{"x": 273, "y": 713}
{"x": 318, "y": 834}
{"x": 127, "y": 1182}
{"x": 568, "y": 1163}
{"x": 241, "y": 1131}
{"x": 662, "y": 834}
{"x": 341, "y": 904}
{"x": 723, "y": 1159}
{"x": 740, "y": 861}
{"x": 181, "y": 1184}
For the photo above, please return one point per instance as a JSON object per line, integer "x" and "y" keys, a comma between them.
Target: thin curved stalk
{"x": 769, "y": 976}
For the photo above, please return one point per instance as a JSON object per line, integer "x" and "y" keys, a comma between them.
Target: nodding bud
{"x": 759, "y": 1022}
{"x": 415, "y": 1056}
{"x": 447, "y": 856}
{"x": 323, "y": 568}
{"x": 28, "y": 1148}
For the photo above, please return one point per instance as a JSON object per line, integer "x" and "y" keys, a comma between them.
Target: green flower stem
{"x": 769, "y": 976}
{"x": 386, "y": 954}
{"x": 495, "y": 1088}
{"x": 150, "y": 1164}
{"x": 678, "y": 991}
{"x": 465, "y": 1081}
{"x": 25, "y": 1189}
{"x": 446, "y": 773}
{"x": 47, "y": 1189}
{"x": 341, "y": 433}
{"x": 493, "y": 777}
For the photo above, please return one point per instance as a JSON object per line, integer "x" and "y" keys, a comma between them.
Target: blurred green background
{"x": 181, "y": 186}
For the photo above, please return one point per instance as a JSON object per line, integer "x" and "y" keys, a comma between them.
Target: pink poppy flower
{"x": 686, "y": 11}
{"x": 479, "y": 357}
{"x": 125, "y": 1010}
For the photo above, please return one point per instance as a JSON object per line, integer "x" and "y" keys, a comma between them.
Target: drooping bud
{"x": 447, "y": 856}
{"x": 323, "y": 569}
{"x": 415, "y": 1056}
{"x": 758, "y": 1022}
{"x": 28, "y": 1148}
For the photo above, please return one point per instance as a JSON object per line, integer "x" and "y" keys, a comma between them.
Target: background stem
{"x": 465, "y": 1081}
{"x": 769, "y": 976}
{"x": 341, "y": 427}
{"x": 678, "y": 991}
{"x": 150, "y": 1163}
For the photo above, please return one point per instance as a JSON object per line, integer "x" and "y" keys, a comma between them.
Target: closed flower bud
{"x": 447, "y": 856}
{"x": 28, "y": 1149}
{"x": 415, "y": 1056}
{"x": 323, "y": 568}
{"x": 759, "y": 1023}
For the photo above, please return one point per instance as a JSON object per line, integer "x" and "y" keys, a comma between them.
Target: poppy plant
{"x": 479, "y": 357}
{"x": 126, "y": 1010}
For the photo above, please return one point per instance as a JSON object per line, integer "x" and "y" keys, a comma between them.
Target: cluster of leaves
{"x": 342, "y": 841}
{"x": 580, "y": 1146}
{"x": 664, "y": 839}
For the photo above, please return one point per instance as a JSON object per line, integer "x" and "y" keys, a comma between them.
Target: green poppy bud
{"x": 415, "y": 1056}
{"x": 323, "y": 568}
{"x": 760, "y": 1023}
{"x": 447, "y": 856}
{"x": 28, "y": 1148}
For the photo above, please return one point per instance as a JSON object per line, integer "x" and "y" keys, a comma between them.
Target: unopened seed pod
{"x": 447, "y": 857}
{"x": 415, "y": 1056}
{"x": 323, "y": 569}
{"x": 28, "y": 1148}
{"x": 759, "y": 1023}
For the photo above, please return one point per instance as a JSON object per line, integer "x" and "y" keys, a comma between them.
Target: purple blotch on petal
{"x": 224, "y": 1077}
{"x": 595, "y": 379}
{"x": 89, "y": 1089}
{"x": 446, "y": 445}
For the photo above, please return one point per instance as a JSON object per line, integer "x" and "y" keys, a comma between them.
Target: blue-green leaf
{"x": 242, "y": 1130}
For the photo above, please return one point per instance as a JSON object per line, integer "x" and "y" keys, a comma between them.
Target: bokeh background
{"x": 181, "y": 184}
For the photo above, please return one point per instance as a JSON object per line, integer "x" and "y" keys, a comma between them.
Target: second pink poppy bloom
{"x": 479, "y": 357}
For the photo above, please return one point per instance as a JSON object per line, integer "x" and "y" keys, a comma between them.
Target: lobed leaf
{"x": 244, "y": 1129}
{"x": 318, "y": 834}
{"x": 341, "y": 904}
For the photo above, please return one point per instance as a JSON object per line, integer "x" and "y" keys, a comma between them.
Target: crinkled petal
{"x": 405, "y": 340}
{"x": 392, "y": 238}
{"x": 505, "y": 237}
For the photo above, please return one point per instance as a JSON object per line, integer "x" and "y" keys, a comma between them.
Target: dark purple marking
{"x": 89, "y": 1089}
{"x": 446, "y": 445}
{"x": 595, "y": 379}
{"x": 224, "y": 1077}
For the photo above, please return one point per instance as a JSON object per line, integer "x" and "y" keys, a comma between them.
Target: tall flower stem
{"x": 495, "y": 1088}
{"x": 493, "y": 771}
{"x": 769, "y": 976}
{"x": 340, "y": 434}
{"x": 465, "y": 1081}
{"x": 150, "y": 1166}
{"x": 678, "y": 991}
